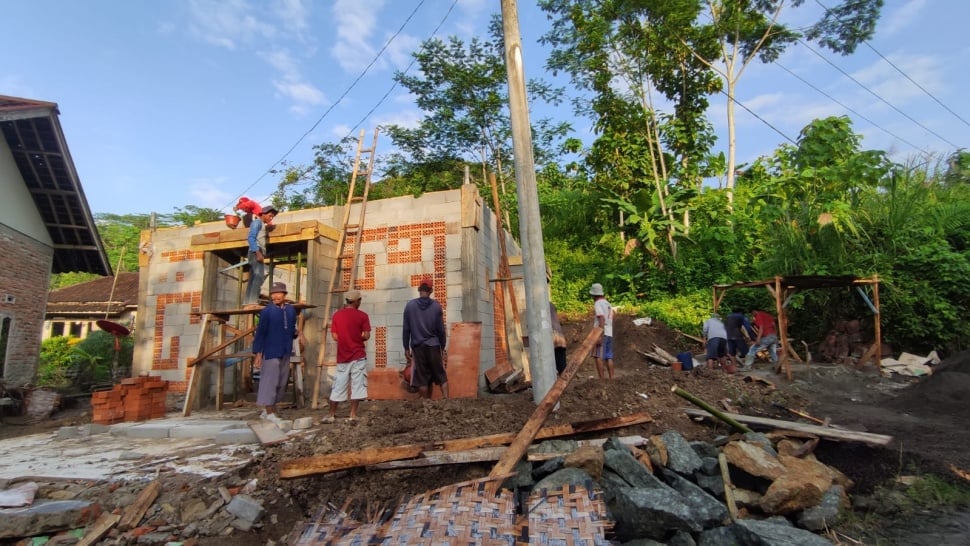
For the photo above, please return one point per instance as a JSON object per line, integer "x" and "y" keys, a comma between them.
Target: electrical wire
{"x": 905, "y": 75}
{"x": 874, "y": 94}
{"x": 761, "y": 119}
{"x": 843, "y": 105}
{"x": 346, "y": 92}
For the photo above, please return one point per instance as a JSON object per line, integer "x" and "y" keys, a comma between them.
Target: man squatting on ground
{"x": 764, "y": 325}
{"x": 603, "y": 311}
{"x": 273, "y": 345}
{"x": 350, "y": 329}
{"x": 424, "y": 341}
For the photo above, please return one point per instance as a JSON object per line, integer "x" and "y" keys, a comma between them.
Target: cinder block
{"x": 236, "y": 436}
{"x": 246, "y": 508}
{"x": 148, "y": 430}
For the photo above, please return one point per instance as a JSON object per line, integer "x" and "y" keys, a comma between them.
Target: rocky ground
{"x": 926, "y": 417}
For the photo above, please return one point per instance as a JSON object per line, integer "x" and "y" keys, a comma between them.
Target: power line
{"x": 905, "y": 75}
{"x": 840, "y": 103}
{"x": 389, "y": 89}
{"x": 343, "y": 95}
{"x": 914, "y": 82}
{"x": 761, "y": 119}
{"x": 874, "y": 94}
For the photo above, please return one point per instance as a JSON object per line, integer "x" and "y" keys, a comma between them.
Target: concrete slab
{"x": 120, "y": 455}
{"x": 46, "y": 516}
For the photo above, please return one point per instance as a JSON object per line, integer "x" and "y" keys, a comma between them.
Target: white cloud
{"x": 226, "y": 23}
{"x": 356, "y": 21}
{"x": 405, "y": 118}
{"x": 293, "y": 14}
{"x": 888, "y": 83}
{"x": 901, "y": 18}
{"x": 208, "y": 192}
{"x": 302, "y": 93}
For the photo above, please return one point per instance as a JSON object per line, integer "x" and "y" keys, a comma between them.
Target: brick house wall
{"x": 23, "y": 298}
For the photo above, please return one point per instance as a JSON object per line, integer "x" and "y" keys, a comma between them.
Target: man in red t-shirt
{"x": 764, "y": 326}
{"x": 350, "y": 328}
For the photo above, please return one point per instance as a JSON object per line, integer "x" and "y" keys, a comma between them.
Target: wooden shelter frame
{"x": 782, "y": 289}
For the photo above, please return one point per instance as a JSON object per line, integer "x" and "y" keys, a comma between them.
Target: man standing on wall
{"x": 273, "y": 345}
{"x": 603, "y": 311}
{"x": 424, "y": 341}
{"x": 258, "y": 239}
{"x": 350, "y": 329}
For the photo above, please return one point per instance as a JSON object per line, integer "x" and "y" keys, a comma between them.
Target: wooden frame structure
{"x": 783, "y": 288}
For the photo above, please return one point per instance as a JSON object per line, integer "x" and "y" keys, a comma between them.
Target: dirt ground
{"x": 926, "y": 417}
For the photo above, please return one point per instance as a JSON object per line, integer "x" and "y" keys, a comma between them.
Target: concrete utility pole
{"x": 541, "y": 357}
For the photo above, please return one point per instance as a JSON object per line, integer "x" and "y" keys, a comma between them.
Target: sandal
{"x": 328, "y": 419}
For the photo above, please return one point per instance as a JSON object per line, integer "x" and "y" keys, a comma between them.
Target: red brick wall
{"x": 25, "y": 276}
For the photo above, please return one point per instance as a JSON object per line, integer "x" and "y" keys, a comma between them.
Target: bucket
{"x": 686, "y": 360}
{"x": 232, "y": 221}
{"x": 676, "y": 367}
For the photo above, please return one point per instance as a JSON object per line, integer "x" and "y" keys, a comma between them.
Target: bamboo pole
{"x": 709, "y": 408}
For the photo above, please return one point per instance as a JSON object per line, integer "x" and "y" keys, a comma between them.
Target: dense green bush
{"x": 69, "y": 362}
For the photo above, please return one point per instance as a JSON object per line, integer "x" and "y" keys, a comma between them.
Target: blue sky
{"x": 190, "y": 102}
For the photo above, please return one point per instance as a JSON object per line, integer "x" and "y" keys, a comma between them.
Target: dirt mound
{"x": 946, "y": 392}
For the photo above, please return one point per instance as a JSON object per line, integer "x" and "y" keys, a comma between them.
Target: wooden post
{"x": 878, "y": 321}
{"x": 528, "y": 433}
{"x": 784, "y": 362}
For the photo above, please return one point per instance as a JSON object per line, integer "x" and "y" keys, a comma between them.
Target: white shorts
{"x": 353, "y": 375}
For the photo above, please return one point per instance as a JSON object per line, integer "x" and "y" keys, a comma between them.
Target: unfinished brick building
{"x": 189, "y": 274}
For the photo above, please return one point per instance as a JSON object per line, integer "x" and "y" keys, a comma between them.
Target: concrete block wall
{"x": 403, "y": 240}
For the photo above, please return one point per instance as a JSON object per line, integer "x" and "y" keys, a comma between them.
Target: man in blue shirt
{"x": 424, "y": 341}
{"x": 258, "y": 239}
{"x": 273, "y": 345}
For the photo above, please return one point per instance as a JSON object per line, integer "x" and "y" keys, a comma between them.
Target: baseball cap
{"x": 277, "y": 287}
{"x": 352, "y": 295}
{"x": 427, "y": 285}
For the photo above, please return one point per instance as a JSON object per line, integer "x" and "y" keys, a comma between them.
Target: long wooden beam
{"x": 322, "y": 464}
{"x": 839, "y": 434}
{"x": 486, "y": 454}
{"x": 528, "y": 433}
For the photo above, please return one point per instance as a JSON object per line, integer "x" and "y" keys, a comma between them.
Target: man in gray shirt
{"x": 715, "y": 337}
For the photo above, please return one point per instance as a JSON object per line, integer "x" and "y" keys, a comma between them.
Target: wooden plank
{"x": 103, "y": 524}
{"x": 321, "y": 464}
{"x": 268, "y": 433}
{"x": 487, "y": 454}
{"x": 132, "y": 515}
{"x": 822, "y": 432}
{"x": 518, "y": 447}
{"x": 192, "y": 391}
{"x": 286, "y": 232}
{"x": 205, "y": 355}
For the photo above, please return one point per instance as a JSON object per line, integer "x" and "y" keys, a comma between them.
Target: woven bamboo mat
{"x": 472, "y": 513}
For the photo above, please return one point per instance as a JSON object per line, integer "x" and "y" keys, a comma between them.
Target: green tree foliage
{"x": 462, "y": 88}
{"x": 189, "y": 215}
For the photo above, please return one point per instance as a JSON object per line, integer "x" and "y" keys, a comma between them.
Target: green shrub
{"x": 56, "y": 361}
{"x": 685, "y": 312}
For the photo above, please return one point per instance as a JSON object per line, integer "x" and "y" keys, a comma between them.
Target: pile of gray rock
{"x": 673, "y": 491}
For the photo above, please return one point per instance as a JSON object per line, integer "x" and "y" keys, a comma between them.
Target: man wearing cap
{"x": 258, "y": 239}
{"x": 424, "y": 340}
{"x": 350, "y": 329}
{"x": 603, "y": 311}
{"x": 273, "y": 345}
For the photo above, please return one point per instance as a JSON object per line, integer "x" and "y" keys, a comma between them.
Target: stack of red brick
{"x": 135, "y": 399}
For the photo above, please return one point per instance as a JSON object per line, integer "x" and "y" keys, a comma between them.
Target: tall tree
{"x": 646, "y": 157}
{"x": 462, "y": 88}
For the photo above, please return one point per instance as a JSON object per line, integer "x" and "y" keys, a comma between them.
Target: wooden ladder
{"x": 346, "y": 260}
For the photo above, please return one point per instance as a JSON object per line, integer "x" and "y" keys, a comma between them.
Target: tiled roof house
{"x": 74, "y": 310}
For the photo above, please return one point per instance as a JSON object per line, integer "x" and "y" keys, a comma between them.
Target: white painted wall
{"x": 17, "y": 209}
